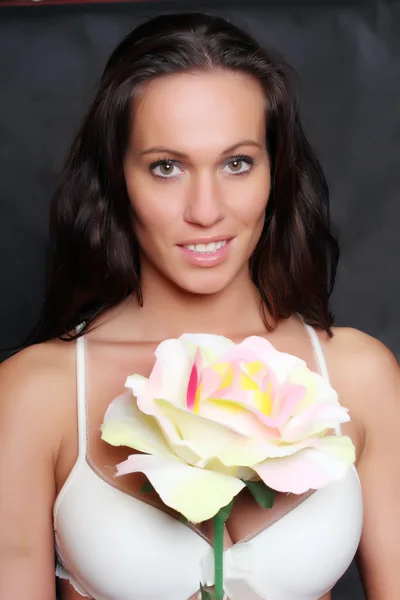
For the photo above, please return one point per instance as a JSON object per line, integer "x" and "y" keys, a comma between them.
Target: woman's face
{"x": 198, "y": 176}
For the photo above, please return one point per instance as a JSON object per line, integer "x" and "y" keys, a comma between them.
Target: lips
{"x": 206, "y": 239}
{"x": 208, "y": 254}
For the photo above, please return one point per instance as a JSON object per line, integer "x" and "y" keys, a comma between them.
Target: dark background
{"x": 347, "y": 55}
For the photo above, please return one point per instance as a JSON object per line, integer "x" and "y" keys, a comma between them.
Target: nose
{"x": 204, "y": 206}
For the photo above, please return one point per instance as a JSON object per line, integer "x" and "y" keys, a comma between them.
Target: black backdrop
{"x": 348, "y": 57}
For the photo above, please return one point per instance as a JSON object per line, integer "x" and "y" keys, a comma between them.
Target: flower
{"x": 214, "y": 414}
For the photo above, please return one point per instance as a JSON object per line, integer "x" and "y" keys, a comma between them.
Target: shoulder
{"x": 35, "y": 384}
{"x": 41, "y": 365}
{"x": 366, "y": 375}
{"x": 358, "y": 354}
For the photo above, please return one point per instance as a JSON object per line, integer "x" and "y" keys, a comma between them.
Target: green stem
{"x": 218, "y": 529}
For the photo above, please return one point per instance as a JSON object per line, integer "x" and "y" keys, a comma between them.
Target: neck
{"x": 169, "y": 311}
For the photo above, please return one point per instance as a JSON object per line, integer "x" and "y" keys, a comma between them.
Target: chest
{"x": 106, "y": 371}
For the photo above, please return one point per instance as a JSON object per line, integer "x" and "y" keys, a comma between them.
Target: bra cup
{"x": 130, "y": 550}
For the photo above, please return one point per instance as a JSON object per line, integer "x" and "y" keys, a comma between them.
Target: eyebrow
{"x": 183, "y": 155}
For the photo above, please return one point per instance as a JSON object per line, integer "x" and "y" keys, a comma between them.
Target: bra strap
{"x": 81, "y": 393}
{"x": 318, "y": 351}
{"x": 320, "y": 358}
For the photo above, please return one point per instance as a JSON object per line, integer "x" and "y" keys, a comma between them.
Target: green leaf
{"x": 206, "y": 595}
{"x": 146, "y": 487}
{"x": 225, "y": 511}
{"x": 261, "y": 493}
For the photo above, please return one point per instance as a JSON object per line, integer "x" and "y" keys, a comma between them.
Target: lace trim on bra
{"x": 62, "y": 573}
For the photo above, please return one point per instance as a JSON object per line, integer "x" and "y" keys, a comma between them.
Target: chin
{"x": 205, "y": 285}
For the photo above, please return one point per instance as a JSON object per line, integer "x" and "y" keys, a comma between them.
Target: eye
{"x": 238, "y": 165}
{"x": 164, "y": 168}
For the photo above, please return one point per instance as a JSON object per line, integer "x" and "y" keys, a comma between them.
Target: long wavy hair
{"x": 94, "y": 261}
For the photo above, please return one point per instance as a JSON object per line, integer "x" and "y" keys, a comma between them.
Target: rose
{"x": 213, "y": 414}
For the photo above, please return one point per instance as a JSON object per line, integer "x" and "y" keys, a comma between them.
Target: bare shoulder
{"x": 42, "y": 365}
{"x": 35, "y": 384}
{"x": 365, "y": 373}
{"x": 360, "y": 354}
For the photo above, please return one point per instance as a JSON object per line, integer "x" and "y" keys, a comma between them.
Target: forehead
{"x": 192, "y": 112}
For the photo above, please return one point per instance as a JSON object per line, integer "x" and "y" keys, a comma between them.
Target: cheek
{"x": 251, "y": 211}
{"x": 251, "y": 199}
{"x": 154, "y": 210}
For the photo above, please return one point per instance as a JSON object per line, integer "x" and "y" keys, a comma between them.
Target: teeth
{"x": 206, "y": 248}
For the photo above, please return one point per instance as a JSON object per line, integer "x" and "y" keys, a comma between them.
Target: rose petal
{"x": 229, "y": 408}
{"x": 211, "y": 346}
{"x": 258, "y": 349}
{"x": 237, "y": 417}
{"x": 183, "y": 449}
{"x": 125, "y": 425}
{"x": 310, "y": 468}
{"x": 255, "y": 452}
{"x": 316, "y": 388}
{"x": 137, "y": 383}
{"x": 214, "y": 464}
{"x": 315, "y": 420}
{"x": 192, "y": 393}
{"x": 197, "y": 494}
{"x": 168, "y": 379}
{"x": 207, "y": 437}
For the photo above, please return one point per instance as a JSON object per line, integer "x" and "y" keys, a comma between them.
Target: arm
{"x": 28, "y": 451}
{"x": 376, "y": 385}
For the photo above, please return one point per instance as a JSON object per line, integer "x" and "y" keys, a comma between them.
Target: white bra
{"x": 113, "y": 546}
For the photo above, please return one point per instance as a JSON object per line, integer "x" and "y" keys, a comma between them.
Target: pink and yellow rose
{"x": 213, "y": 414}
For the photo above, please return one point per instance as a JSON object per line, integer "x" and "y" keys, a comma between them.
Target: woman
{"x": 190, "y": 201}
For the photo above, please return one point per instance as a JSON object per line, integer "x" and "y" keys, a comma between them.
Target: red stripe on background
{"x": 55, "y": 2}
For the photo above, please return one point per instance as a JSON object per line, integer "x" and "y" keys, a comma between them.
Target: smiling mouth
{"x": 206, "y": 248}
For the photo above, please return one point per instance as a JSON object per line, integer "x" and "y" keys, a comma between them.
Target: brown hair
{"x": 95, "y": 255}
